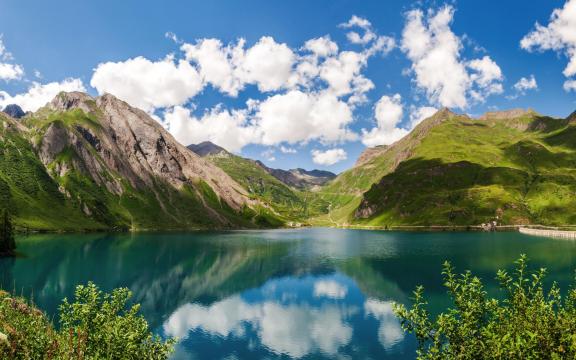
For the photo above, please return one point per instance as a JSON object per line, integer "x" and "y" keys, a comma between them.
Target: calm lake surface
{"x": 310, "y": 293}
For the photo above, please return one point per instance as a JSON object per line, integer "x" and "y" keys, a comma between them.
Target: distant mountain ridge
{"x": 298, "y": 178}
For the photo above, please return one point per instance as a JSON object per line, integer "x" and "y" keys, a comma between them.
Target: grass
{"x": 465, "y": 172}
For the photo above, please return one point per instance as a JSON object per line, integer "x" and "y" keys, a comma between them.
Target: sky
{"x": 294, "y": 83}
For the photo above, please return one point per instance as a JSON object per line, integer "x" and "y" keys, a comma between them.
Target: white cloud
{"x": 11, "y": 71}
{"x": 148, "y": 84}
{"x": 287, "y": 150}
{"x": 328, "y": 157}
{"x": 8, "y": 71}
{"x": 388, "y": 113}
{"x": 269, "y": 154}
{"x": 570, "y": 85}
{"x": 295, "y": 330}
{"x": 525, "y": 84}
{"x": 322, "y": 46}
{"x": 417, "y": 114}
{"x": 298, "y": 116}
{"x": 353, "y": 36}
{"x": 559, "y": 35}
{"x": 330, "y": 289}
{"x": 228, "y": 129}
{"x": 39, "y": 95}
{"x": 293, "y": 117}
{"x": 439, "y": 70}
{"x": 310, "y": 93}
{"x": 267, "y": 64}
{"x": 217, "y": 64}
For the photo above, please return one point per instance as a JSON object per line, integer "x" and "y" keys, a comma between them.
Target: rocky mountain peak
{"x": 14, "y": 111}
{"x": 207, "y": 148}
{"x": 65, "y": 101}
{"x": 572, "y": 117}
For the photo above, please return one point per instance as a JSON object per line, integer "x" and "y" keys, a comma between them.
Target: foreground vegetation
{"x": 94, "y": 326}
{"x": 528, "y": 322}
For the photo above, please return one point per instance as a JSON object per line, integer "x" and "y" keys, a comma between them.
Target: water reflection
{"x": 294, "y": 317}
{"x": 310, "y": 293}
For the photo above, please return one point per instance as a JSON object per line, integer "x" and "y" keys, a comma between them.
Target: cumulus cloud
{"x": 363, "y": 24}
{"x": 229, "y": 129}
{"x": 293, "y": 117}
{"x": 388, "y": 113}
{"x": 328, "y": 157}
{"x": 417, "y": 114}
{"x": 8, "y": 71}
{"x": 287, "y": 150}
{"x": 39, "y": 95}
{"x": 559, "y": 35}
{"x": 148, "y": 84}
{"x": 437, "y": 65}
{"x": 322, "y": 46}
{"x": 306, "y": 94}
{"x": 570, "y": 85}
{"x": 525, "y": 84}
{"x": 11, "y": 71}
{"x": 298, "y": 116}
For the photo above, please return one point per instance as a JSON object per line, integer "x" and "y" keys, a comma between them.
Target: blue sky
{"x": 259, "y": 104}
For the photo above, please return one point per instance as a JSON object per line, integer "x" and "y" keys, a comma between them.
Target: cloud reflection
{"x": 390, "y": 332}
{"x": 295, "y": 330}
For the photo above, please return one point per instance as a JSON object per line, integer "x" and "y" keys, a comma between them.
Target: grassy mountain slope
{"x": 87, "y": 164}
{"x": 453, "y": 170}
{"x": 290, "y": 203}
{"x": 31, "y": 195}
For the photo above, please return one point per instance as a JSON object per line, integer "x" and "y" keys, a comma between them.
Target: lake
{"x": 309, "y": 293}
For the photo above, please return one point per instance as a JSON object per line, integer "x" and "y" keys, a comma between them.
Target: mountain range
{"x": 84, "y": 163}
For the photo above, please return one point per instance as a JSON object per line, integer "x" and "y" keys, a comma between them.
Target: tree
{"x": 526, "y": 322}
{"x": 7, "y": 242}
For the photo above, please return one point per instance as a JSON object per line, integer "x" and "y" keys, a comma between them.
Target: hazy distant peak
{"x": 206, "y": 148}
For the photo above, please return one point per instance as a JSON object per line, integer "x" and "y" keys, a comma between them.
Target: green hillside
{"x": 289, "y": 203}
{"x": 453, "y": 170}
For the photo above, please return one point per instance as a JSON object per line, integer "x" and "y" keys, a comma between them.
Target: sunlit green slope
{"x": 518, "y": 167}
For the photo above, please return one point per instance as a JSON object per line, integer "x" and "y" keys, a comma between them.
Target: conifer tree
{"x": 7, "y": 242}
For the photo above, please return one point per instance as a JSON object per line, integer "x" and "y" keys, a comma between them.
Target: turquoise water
{"x": 310, "y": 293}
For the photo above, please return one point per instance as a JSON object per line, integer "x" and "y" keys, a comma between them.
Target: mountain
{"x": 98, "y": 163}
{"x": 207, "y": 148}
{"x": 297, "y": 178}
{"x": 300, "y": 178}
{"x": 291, "y": 203}
{"x": 515, "y": 166}
{"x": 14, "y": 111}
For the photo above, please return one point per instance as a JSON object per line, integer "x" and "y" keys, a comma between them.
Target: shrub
{"x": 529, "y": 323}
{"x": 95, "y": 326}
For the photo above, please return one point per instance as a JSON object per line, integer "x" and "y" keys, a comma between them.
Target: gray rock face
{"x": 118, "y": 142}
{"x": 506, "y": 114}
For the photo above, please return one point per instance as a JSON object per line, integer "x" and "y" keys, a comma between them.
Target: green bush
{"x": 95, "y": 326}
{"x": 527, "y": 323}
